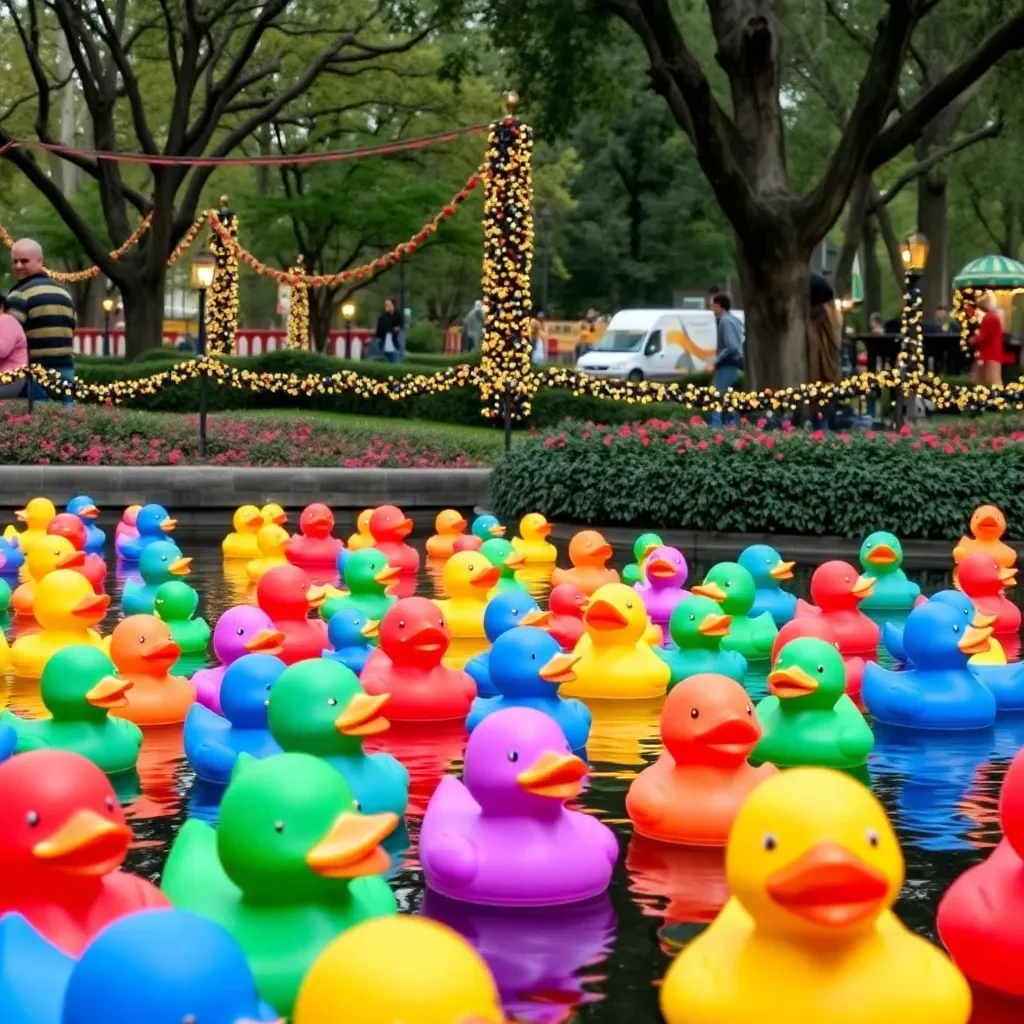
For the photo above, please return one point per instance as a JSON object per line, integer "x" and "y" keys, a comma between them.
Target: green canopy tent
{"x": 991, "y": 272}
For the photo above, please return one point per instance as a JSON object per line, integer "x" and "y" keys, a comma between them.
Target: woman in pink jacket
{"x": 13, "y": 352}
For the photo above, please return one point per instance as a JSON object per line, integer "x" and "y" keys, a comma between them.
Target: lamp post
{"x": 348, "y": 311}
{"x": 108, "y": 308}
{"x": 914, "y": 254}
{"x": 204, "y": 266}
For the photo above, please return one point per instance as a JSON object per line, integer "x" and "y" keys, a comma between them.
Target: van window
{"x": 653, "y": 346}
{"x": 620, "y": 341}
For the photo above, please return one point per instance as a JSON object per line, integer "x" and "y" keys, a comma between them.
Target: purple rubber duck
{"x": 243, "y": 629}
{"x": 504, "y": 837}
{"x": 666, "y": 573}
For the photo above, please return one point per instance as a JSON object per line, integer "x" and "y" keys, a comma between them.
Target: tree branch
{"x": 997, "y": 239}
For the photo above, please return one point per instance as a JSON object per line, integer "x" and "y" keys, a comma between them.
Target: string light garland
{"x": 298, "y": 308}
{"x": 222, "y": 300}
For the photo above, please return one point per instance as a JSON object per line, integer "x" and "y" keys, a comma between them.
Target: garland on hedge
{"x": 298, "y": 308}
{"x": 222, "y": 301}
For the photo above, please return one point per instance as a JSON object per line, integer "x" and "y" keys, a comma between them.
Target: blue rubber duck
{"x": 153, "y": 523}
{"x": 504, "y": 611}
{"x": 350, "y": 632}
{"x": 8, "y": 741}
{"x": 769, "y": 570}
{"x": 159, "y": 563}
{"x": 939, "y": 692}
{"x": 892, "y": 632}
{"x": 85, "y": 508}
{"x": 33, "y": 974}
{"x": 213, "y": 742}
{"x": 12, "y": 558}
{"x": 881, "y": 557}
{"x": 486, "y": 526}
{"x": 527, "y": 666}
{"x": 341, "y": 561}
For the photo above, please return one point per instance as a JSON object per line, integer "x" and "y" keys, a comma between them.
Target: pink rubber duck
{"x": 665, "y": 571}
{"x": 313, "y": 547}
{"x": 389, "y": 527}
{"x": 125, "y": 530}
{"x": 836, "y": 588}
{"x": 286, "y": 594}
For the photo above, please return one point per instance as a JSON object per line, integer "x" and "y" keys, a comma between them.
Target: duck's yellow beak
{"x": 352, "y": 847}
{"x": 559, "y": 669}
{"x": 266, "y": 641}
{"x": 782, "y": 571}
{"x": 1008, "y": 577}
{"x": 712, "y": 590}
{"x": 92, "y": 607}
{"x": 648, "y": 551}
{"x": 109, "y": 692}
{"x": 86, "y": 844}
{"x": 558, "y": 776}
{"x": 604, "y": 615}
{"x": 535, "y": 617}
{"x": 881, "y": 554}
{"x": 515, "y": 562}
{"x": 791, "y": 682}
{"x": 371, "y": 629}
{"x": 981, "y": 621}
{"x": 21, "y": 515}
{"x": 168, "y": 525}
{"x": 181, "y": 566}
{"x": 497, "y": 530}
{"x": 387, "y": 575}
{"x": 362, "y": 716}
{"x": 975, "y": 641}
{"x": 88, "y": 511}
{"x": 316, "y": 596}
{"x": 715, "y": 625}
{"x": 863, "y": 586}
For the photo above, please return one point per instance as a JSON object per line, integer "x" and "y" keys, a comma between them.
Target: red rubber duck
{"x": 408, "y": 666}
{"x": 690, "y": 878}
{"x": 692, "y": 793}
{"x": 981, "y": 916}
{"x": 94, "y": 569}
{"x": 313, "y": 547}
{"x": 389, "y": 527}
{"x": 816, "y": 626}
{"x": 567, "y": 603}
{"x": 467, "y": 542}
{"x": 836, "y": 588}
{"x": 287, "y": 595}
{"x": 589, "y": 553}
{"x": 983, "y": 580}
{"x": 63, "y": 837}
{"x": 143, "y": 652}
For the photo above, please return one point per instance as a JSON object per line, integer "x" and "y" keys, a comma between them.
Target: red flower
{"x": 702, "y": 446}
{"x": 948, "y": 449}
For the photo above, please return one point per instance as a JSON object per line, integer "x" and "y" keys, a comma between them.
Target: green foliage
{"x": 423, "y": 336}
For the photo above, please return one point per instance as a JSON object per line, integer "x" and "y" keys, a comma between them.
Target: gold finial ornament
{"x": 224, "y": 201}
{"x": 510, "y": 101}
{"x": 300, "y": 259}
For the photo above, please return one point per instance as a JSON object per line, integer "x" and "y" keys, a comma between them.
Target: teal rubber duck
{"x": 319, "y": 708}
{"x": 881, "y": 556}
{"x": 733, "y": 588}
{"x": 159, "y": 562}
{"x": 500, "y": 553}
{"x": 79, "y": 688}
{"x": 642, "y": 547}
{"x": 697, "y": 627}
{"x": 176, "y": 603}
{"x": 5, "y": 598}
{"x": 293, "y": 863}
{"x": 807, "y": 717}
{"x": 367, "y": 578}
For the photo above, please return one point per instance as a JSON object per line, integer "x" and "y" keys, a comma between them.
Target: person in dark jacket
{"x": 387, "y": 335}
{"x": 728, "y": 350}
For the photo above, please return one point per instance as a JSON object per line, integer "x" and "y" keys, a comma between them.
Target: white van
{"x": 654, "y": 344}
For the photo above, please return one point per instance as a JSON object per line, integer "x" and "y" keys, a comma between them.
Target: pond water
{"x": 600, "y": 962}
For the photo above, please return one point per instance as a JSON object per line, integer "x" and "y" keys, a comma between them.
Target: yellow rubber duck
{"x": 468, "y": 580}
{"x": 5, "y": 654}
{"x": 36, "y": 516}
{"x": 814, "y": 867}
{"x": 273, "y": 513}
{"x": 615, "y": 657}
{"x": 532, "y": 542}
{"x": 66, "y": 609}
{"x": 399, "y": 969}
{"x": 247, "y": 522}
{"x": 271, "y": 542}
{"x": 45, "y": 556}
{"x": 450, "y": 526}
{"x": 362, "y": 538}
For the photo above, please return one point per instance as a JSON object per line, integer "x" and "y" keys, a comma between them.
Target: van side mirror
{"x": 653, "y": 345}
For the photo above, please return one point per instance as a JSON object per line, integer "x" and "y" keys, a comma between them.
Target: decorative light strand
{"x": 222, "y": 301}
{"x": 298, "y": 308}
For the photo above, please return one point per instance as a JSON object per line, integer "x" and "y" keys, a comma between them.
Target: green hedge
{"x": 921, "y": 484}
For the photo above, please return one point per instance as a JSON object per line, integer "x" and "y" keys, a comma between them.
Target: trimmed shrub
{"x": 424, "y": 336}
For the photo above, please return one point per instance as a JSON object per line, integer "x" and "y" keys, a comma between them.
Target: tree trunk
{"x": 143, "y": 314}
{"x": 321, "y": 312}
{"x": 933, "y": 222}
{"x": 1012, "y": 223}
{"x": 872, "y": 269}
{"x": 853, "y": 235}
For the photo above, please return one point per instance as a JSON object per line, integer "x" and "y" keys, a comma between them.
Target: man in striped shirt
{"x": 45, "y": 310}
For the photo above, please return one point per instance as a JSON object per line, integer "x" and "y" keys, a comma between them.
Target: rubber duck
{"x": 5, "y": 600}
{"x": 273, "y": 514}
{"x": 47, "y": 555}
{"x": 159, "y": 563}
{"x": 836, "y": 589}
{"x": 79, "y": 688}
{"x": 8, "y": 735}
{"x": 241, "y": 630}
{"x": 144, "y": 652}
{"x": 389, "y": 527}
{"x": 984, "y": 581}
{"x": 527, "y": 667}
{"x": 532, "y": 542}
{"x": 64, "y": 837}
{"x": 642, "y": 548}
{"x": 589, "y": 553}
{"x": 291, "y": 865}
{"x": 69, "y": 526}
{"x": 350, "y": 634}
{"x": 36, "y": 516}
{"x": 85, "y": 508}
{"x": 12, "y": 558}
{"x": 818, "y": 627}
{"x": 939, "y": 692}
{"x": 66, "y": 608}
{"x": 313, "y": 547}
{"x": 271, "y": 543}
{"x": 692, "y": 793}
{"x": 881, "y": 557}
{"x": 450, "y": 525}
{"x": 665, "y": 572}
{"x": 413, "y": 641}
{"x": 153, "y": 524}
{"x": 807, "y": 718}
{"x": 814, "y": 868}
{"x": 614, "y": 659}
{"x": 468, "y": 580}
{"x": 246, "y": 522}
{"x": 368, "y": 578}
{"x": 319, "y": 708}
{"x": 500, "y": 553}
{"x": 980, "y": 917}
{"x": 566, "y": 605}
{"x": 504, "y": 612}
{"x": 697, "y": 628}
{"x": 176, "y": 604}
{"x": 286, "y": 594}
{"x": 733, "y": 588}
{"x": 770, "y": 571}
{"x": 988, "y": 525}
{"x": 214, "y": 742}
{"x": 126, "y": 531}
{"x": 892, "y": 632}
{"x": 406, "y": 968}
{"x": 362, "y": 538}
{"x": 486, "y": 527}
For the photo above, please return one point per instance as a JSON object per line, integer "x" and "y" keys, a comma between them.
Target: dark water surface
{"x": 600, "y": 962}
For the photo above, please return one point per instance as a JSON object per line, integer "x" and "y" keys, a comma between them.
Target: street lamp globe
{"x": 204, "y": 266}
{"x": 914, "y": 252}
{"x": 348, "y": 310}
{"x": 108, "y": 305}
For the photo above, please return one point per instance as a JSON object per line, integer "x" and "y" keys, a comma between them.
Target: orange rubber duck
{"x": 692, "y": 793}
{"x": 589, "y": 553}
{"x": 450, "y": 526}
{"x": 143, "y": 651}
{"x": 988, "y": 524}
{"x": 46, "y": 555}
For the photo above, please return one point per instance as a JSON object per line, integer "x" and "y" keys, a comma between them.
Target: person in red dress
{"x": 988, "y": 344}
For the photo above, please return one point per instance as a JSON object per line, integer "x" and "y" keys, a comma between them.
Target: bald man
{"x": 46, "y": 311}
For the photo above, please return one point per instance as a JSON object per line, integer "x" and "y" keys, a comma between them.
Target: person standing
{"x": 728, "y": 350}
{"x": 46, "y": 312}
{"x": 389, "y": 324}
{"x": 473, "y": 327}
{"x": 987, "y": 342}
{"x": 539, "y": 344}
{"x": 13, "y": 352}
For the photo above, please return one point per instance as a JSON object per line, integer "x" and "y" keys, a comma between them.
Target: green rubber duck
{"x": 807, "y": 718}
{"x": 5, "y": 598}
{"x": 500, "y": 553}
{"x": 318, "y": 707}
{"x": 367, "y": 578}
{"x": 642, "y": 547}
{"x": 293, "y": 863}
{"x": 734, "y": 589}
{"x": 79, "y": 688}
{"x": 698, "y": 626}
{"x": 881, "y": 557}
{"x": 176, "y": 603}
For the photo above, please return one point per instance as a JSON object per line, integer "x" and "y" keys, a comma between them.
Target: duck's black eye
{"x": 769, "y": 842}
{"x": 32, "y": 819}
{"x": 533, "y": 657}
{"x": 693, "y": 618}
{"x": 846, "y": 579}
{"x": 239, "y": 632}
{"x": 872, "y": 837}
{"x": 142, "y": 639}
{"x": 357, "y": 805}
{"x": 109, "y": 803}
{"x": 821, "y": 670}
{"x": 629, "y": 604}
{"x": 956, "y": 628}
{"x": 401, "y": 623}
{"x": 694, "y": 713}
{"x": 750, "y": 710}
{"x": 278, "y": 826}
{"x": 513, "y": 756}
{"x": 331, "y": 701}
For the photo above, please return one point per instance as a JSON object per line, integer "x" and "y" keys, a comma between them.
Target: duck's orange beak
{"x": 558, "y": 776}
{"x": 458, "y": 525}
{"x": 712, "y": 590}
{"x": 602, "y": 552}
{"x": 163, "y": 649}
{"x": 429, "y": 639}
{"x": 975, "y": 641}
{"x": 660, "y": 568}
{"x": 497, "y": 530}
{"x": 316, "y": 596}
{"x": 404, "y": 528}
{"x": 280, "y": 518}
{"x": 829, "y": 886}
{"x": 92, "y": 607}
{"x": 989, "y": 522}
{"x": 21, "y": 515}
{"x": 486, "y": 578}
{"x": 266, "y": 641}
{"x": 86, "y": 844}
{"x": 168, "y": 525}
{"x": 604, "y": 615}
{"x": 715, "y": 625}
{"x": 362, "y": 716}
{"x": 791, "y": 682}
{"x": 782, "y": 571}
{"x": 109, "y": 692}
{"x": 371, "y": 629}
{"x": 181, "y": 566}
{"x": 732, "y": 736}
{"x": 352, "y": 847}
{"x": 863, "y": 587}
{"x": 72, "y": 560}
{"x": 981, "y": 621}
{"x": 559, "y": 669}
{"x": 1008, "y": 577}
{"x": 544, "y": 530}
{"x": 254, "y": 522}
{"x": 882, "y": 554}
{"x": 389, "y": 574}
{"x": 535, "y": 617}
{"x": 515, "y": 562}
{"x": 88, "y": 511}
{"x": 320, "y": 519}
